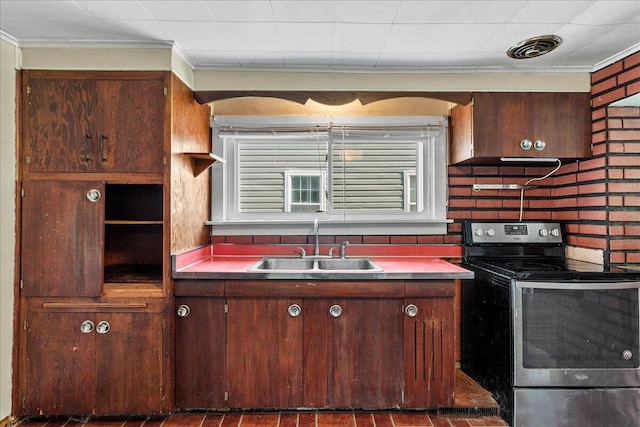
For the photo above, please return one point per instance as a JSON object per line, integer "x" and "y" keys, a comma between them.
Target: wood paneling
{"x": 190, "y": 195}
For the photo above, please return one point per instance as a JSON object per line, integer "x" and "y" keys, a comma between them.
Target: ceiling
{"x": 389, "y": 35}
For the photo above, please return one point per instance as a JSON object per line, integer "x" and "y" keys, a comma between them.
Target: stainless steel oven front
{"x": 576, "y": 353}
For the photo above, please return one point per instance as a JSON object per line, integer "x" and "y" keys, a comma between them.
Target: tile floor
{"x": 276, "y": 419}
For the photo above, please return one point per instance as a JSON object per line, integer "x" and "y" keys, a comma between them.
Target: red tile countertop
{"x": 227, "y": 261}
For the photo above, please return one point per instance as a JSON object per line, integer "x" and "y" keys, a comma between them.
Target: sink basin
{"x": 276, "y": 263}
{"x": 347, "y": 264}
{"x": 310, "y": 264}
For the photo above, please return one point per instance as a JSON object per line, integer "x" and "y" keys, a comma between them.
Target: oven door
{"x": 576, "y": 334}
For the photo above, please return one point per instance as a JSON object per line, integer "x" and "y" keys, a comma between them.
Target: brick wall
{"x": 598, "y": 198}
{"x": 616, "y": 140}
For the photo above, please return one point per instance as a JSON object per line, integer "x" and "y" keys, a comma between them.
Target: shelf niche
{"x": 133, "y": 235}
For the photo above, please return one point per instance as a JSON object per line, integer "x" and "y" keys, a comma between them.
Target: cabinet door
{"x": 59, "y": 117}
{"x": 264, "y": 353}
{"x": 130, "y": 135}
{"x": 500, "y": 122}
{"x": 353, "y": 353}
{"x": 429, "y": 365}
{"x": 200, "y": 353}
{"x": 563, "y": 122}
{"x": 60, "y": 364}
{"x": 129, "y": 363}
{"x": 62, "y": 239}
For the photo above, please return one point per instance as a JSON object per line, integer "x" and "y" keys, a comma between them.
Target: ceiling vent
{"x": 533, "y": 47}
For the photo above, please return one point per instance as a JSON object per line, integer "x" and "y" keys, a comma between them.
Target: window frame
{"x": 227, "y": 220}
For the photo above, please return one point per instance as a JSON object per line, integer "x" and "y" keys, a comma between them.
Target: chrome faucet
{"x": 316, "y": 232}
{"x": 343, "y": 249}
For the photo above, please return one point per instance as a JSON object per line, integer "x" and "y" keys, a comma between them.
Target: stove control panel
{"x": 515, "y": 232}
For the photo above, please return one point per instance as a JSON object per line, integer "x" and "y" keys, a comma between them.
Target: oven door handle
{"x": 578, "y": 285}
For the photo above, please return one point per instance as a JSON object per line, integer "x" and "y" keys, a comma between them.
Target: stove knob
{"x": 543, "y": 232}
{"x": 555, "y": 232}
{"x": 478, "y": 232}
{"x": 491, "y": 232}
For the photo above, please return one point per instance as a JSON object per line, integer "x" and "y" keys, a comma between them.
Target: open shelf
{"x": 202, "y": 161}
{"x": 133, "y": 236}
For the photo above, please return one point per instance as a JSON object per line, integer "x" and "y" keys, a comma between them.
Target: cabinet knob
{"x": 86, "y": 327}
{"x": 411, "y": 310}
{"x": 93, "y": 195}
{"x": 526, "y": 144}
{"x": 539, "y": 145}
{"x": 294, "y": 310}
{"x": 103, "y": 327}
{"x": 335, "y": 310}
{"x": 183, "y": 310}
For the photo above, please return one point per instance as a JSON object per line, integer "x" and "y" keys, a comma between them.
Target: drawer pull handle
{"x": 85, "y": 148}
{"x": 102, "y": 138}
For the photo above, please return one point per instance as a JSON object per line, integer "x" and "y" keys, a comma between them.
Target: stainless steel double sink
{"x": 315, "y": 264}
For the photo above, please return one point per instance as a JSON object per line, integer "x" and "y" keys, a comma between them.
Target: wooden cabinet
{"x": 264, "y": 347}
{"x": 201, "y": 353}
{"x": 105, "y": 122}
{"x": 88, "y": 357}
{"x": 79, "y": 235}
{"x": 374, "y": 345}
{"x": 353, "y": 353}
{"x": 62, "y": 239}
{"x": 320, "y": 353}
{"x": 95, "y": 209}
{"x": 429, "y": 363}
{"x": 495, "y": 124}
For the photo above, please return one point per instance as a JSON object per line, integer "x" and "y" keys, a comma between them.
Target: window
{"x": 410, "y": 191}
{"x": 370, "y": 175}
{"x": 304, "y": 191}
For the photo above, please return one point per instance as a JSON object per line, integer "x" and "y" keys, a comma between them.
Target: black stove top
{"x": 555, "y": 268}
{"x": 532, "y": 250}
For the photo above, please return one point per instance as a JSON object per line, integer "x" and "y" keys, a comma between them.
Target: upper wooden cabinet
{"x": 85, "y": 238}
{"x": 495, "y": 124}
{"x": 62, "y": 238}
{"x": 106, "y": 122}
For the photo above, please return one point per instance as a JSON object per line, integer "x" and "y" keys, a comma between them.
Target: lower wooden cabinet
{"x": 264, "y": 352}
{"x": 93, "y": 358}
{"x": 200, "y": 362}
{"x": 353, "y": 353}
{"x": 279, "y": 352}
{"x": 429, "y": 361}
